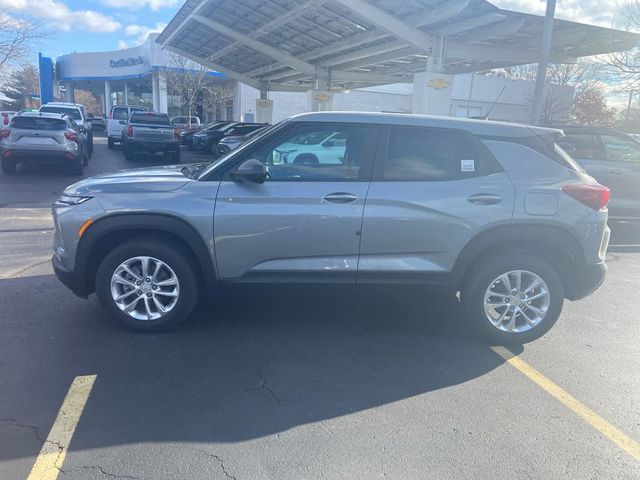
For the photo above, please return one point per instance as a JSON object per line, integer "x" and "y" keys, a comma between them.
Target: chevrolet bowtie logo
{"x": 438, "y": 83}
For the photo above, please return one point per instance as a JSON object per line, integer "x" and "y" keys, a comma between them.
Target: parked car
{"x": 184, "y": 123}
{"x": 117, "y": 120}
{"x": 235, "y": 139}
{"x": 494, "y": 211}
{"x": 98, "y": 123}
{"x": 207, "y": 140}
{"x": 613, "y": 159}
{"x": 186, "y": 136}
{"x": 150, "y": 132}
{"x": 5, "y": 116}
{"x": 77, "y": 113}
{"x": 43, "y": 138}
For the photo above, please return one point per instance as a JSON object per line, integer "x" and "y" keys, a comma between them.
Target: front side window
{"x": 292, "y": 157}
{"x": 619, "y": 148}
{"x": 429, "y": 154}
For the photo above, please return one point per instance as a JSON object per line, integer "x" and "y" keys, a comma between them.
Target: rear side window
{"x": 430, "y": 154}
{"x": 120, "y": 114}
{"x": 243, "y": 130}
{"x": 37, "y": 123}
{"x": 149, "y": 119}
{"x": 579, "y": 145}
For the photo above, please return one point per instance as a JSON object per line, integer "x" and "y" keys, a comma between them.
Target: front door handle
{"x": 617, "y": 171}
{"x": 484, "y": 199}
{"x": 340, "y": 197}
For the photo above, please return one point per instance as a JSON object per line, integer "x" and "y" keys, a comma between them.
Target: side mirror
{"x": 123, "y": 122}
{"x": 251, "y": 170}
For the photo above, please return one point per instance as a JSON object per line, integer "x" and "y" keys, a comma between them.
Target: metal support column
{"x": 264, "y": 106}
{"x": 541, "y": 76}
{"x": 107, "y": 97}
{"x": 321, "y": 98}
{"x": 126, "y": 93}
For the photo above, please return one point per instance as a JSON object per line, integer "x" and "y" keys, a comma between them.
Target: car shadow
{"x": 254, "y": 362}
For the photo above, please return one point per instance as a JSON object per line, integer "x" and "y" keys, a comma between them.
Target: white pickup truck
{"x": 150, "y": 132}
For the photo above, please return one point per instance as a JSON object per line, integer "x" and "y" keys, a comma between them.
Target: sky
{"x": 96, "y": 25}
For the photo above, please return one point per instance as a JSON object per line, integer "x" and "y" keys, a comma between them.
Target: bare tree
{"x": 91, "y": 102}
{"x": 192, "y": 84}
{"x": 583, "y": 77}
{"x": 17, "y": 40}
{"x": 624, "y": 67}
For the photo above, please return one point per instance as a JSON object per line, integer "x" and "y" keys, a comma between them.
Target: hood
{"x": 153, "y": 179}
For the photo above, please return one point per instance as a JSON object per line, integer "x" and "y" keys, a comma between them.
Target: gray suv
{"x": 494, "y": 211}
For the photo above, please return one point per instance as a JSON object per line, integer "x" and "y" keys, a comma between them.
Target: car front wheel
{"x": 515, "y": 299}
{"x": 147, "y": 285}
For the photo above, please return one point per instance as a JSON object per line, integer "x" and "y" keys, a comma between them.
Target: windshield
{"x": 71, "y": 111}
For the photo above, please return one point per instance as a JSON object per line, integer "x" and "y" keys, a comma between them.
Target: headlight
{"x": 71, "y": 200}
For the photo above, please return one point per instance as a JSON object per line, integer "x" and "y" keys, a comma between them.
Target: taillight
{"x": 73, "y": 136}
{"x": 5, "y": 132}
{"x": 130, "y": 131}
{"x": 5, "y": 121}
{"x": 176, "y": 133}
{"x": 593, "y": 196}
{"x": 110, "y": 115}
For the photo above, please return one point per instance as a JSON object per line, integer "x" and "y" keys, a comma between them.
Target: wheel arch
{"x": 110, "y": 231}
{"x": 554, "y": 244}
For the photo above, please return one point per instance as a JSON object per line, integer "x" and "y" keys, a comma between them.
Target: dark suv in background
{"x": 613, "y": 159}
{"x": 207, "y": 140}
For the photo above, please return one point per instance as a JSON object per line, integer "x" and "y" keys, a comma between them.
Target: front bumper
{"x": 69, "y": 278}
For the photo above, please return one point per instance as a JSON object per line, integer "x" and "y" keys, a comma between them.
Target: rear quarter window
{"x": 35, "y": 123}
{"x": 120, "y": 114}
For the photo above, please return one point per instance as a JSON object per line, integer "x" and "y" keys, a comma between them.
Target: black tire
{"x": 8, "y": 166}
{"x": 85, "y": 159}
{"x": 128, "y": 154}
{"x": 166, "y": 252}
{"x": 110, "y": 142}
{"x": 485, "y": 272}
{"x": 76, "y": 167}
{"x": 90, "y": 142}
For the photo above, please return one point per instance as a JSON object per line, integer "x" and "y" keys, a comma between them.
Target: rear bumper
{"x": 586, "y": 281}
{"x": 69, "y": 278}
{"x": 151, "y": 146}
{"x": 40, "y": 156}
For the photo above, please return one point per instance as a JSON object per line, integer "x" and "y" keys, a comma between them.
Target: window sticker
{"x": 467, "y": 165}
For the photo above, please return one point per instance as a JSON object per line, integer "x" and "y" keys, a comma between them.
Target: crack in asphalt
{"x": 100, "y": 469}
{"x": 263, "y": 384}
{"x": 221, "y": 462}
{"x": 33, "y": 428}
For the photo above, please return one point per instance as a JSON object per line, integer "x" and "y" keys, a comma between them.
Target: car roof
{"x": 59, "y": 116}
{"x": 588, "y": 129}
{"x": 63, "y": 104}
{"x": 478, "y": 127}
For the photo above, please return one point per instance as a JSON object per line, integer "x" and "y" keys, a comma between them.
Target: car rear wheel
{"x": 110, "y": 142}
{"x": 514, "y": 299}
{"x": 8, "y": 166}
{"x": 128, "y": 154}
{"x": 147, "y": 285}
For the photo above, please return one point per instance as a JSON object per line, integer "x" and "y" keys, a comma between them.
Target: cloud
{"x": 141, "y": 32}
{"x": 594, "y": 12}
{"x": 154, "y": 5}
{"x": 58, "y": 15}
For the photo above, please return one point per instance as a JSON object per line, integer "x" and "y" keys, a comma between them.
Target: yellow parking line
{"x": 592, "y": 418}
{"x": 54, "y": 450}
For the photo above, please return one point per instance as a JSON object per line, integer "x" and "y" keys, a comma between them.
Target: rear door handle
{"x": 340, "y": 197}
{"x": 484, "y": 199}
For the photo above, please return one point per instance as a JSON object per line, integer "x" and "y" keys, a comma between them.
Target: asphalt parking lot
{"x": 308, "y": 383}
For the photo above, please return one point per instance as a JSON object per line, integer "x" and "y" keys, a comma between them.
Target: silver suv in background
{"x": 37, "y": 137}
{"x": 117, "y": 121}
{"x": 77, "y": 113}
{"x": 496, "y": 212}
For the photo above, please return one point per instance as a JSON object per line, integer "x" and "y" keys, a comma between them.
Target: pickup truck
{"x": 150, "y": 132}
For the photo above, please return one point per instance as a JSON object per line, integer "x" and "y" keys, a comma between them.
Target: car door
{"x": 304, "y": 221}
{"x": 433, "y": 189}
{"x": 585, "y": 148}
{"x": 622, "y": 159}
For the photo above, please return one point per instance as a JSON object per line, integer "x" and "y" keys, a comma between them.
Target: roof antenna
{"x": 486, "y": 115}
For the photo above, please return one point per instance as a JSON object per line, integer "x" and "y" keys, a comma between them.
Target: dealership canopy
{"x": 323, "y": 44}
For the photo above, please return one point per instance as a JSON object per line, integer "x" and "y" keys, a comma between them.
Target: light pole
{"x": 538, "y": 94}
